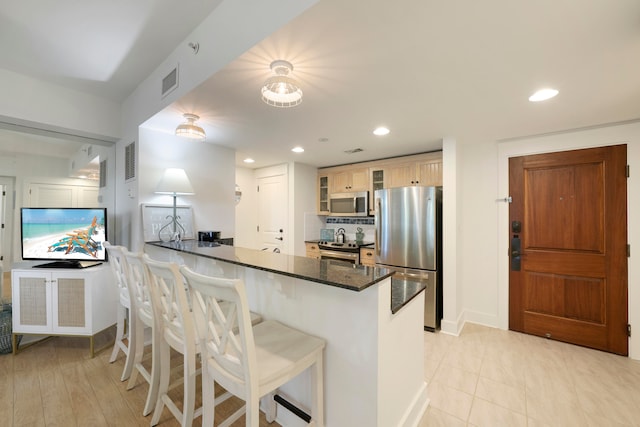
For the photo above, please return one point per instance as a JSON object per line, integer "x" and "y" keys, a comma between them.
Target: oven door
{"x": 352, "y": 257}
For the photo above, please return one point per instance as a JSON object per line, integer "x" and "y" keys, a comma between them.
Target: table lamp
{"x": 175, "y": 183}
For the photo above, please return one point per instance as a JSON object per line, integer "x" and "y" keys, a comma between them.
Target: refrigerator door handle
{"x": 378, "y": 225}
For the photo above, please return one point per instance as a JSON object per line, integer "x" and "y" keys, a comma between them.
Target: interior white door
{"x": 272, "y": 213}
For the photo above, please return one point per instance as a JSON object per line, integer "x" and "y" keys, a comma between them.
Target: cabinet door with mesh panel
{"x": 70, "y": 303}
{"x": 31, "y": 294}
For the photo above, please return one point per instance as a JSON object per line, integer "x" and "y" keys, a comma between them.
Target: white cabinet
{"x": 63, "y": 301}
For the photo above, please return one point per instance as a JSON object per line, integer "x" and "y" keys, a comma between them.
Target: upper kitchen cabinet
{"x": 323, "y": 194}
{"x": 349, "y": 180}
{"x": 423, "y": 171}
{"x": 377, "y": 180}
{"x": 418, "y": 169}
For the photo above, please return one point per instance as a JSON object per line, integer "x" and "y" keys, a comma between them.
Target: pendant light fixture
{"x": 281, "y": 90}
{"x": 189, "y": 129}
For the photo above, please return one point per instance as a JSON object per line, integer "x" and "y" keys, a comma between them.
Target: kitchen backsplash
{"x": 350, "y": 220}
{"x": 313, "y": 223}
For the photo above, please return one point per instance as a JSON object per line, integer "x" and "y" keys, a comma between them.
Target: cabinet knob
{"x": 369, "y": 254}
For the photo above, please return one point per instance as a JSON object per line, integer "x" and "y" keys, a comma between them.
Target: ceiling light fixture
{"x": 543, "y": 95}
{"x": 248, "y": 160}
{"x": 281, "y": 90}
{"x": 297, "y": 150}
{"x": 381, "y": 131}
{"x": 190, "y": 129}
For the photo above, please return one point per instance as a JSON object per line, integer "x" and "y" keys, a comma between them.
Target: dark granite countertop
{"x": 403, "y": 291}
{"x": 328, "y": 272}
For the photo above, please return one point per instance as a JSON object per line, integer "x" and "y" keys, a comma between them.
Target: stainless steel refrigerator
{"x": 408, "y": 239}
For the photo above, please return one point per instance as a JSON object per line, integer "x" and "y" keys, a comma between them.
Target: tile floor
{"x": 491, "y": 377}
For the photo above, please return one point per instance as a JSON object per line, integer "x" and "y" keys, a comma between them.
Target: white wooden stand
{"x": 74, "y": 302}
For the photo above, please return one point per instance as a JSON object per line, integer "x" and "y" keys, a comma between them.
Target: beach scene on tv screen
{"x": 76, "y": 234}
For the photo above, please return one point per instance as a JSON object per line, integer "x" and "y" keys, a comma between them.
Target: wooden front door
{"x": 568, "y": 248}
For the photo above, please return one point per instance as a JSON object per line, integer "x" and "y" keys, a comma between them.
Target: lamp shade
{"x": 174, "y": 181}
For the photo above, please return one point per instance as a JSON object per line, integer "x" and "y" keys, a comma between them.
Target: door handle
{"x": 515, "y": 253}
{"x": 378, "y": 221}
{"x": 280, "y": 238}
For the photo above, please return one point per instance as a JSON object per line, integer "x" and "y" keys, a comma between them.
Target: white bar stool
{"x": 144, "y": 331}
{"x": 249, "y": 362}
{"x": 171, "y": 307}
{"x": 123, "y": 316}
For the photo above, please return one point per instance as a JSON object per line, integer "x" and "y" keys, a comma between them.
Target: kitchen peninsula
{"x": 374, "y": 358}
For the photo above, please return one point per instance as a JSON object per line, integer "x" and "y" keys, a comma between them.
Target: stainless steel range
{"x": 348, "y": 251}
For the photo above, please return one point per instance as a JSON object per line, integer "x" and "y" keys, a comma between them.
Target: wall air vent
{"x": 130, "y": 161}
{"x": 103, "y": 174}
{"x": 170, "y": 82}
{"x": 354, "y": 150}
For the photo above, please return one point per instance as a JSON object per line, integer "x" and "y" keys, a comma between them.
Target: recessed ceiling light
{"x": 381, "y": 131}
{"x": 248, "y": 160}
{"x": 543, "y": 95}
{"x": 297, "y": 150}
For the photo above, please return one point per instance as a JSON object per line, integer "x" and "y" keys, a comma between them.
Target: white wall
{"x": 34, "y": 103}
{"x": 482, "y": 276}
{"x": 303, "y": 192}
{"x": 247, "y": 210}
{"x": 210, "y": 169}
{"x": 301, "y": 181}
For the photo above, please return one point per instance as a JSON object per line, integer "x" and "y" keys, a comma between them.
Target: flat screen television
{"x": 67, "y": 237}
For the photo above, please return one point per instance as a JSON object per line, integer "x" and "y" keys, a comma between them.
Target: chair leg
{"x": 189, "y": 385}
{"x": 208, "y": 398}
{"x": 121, "y": 315}
{"x": 252, "y": 415}
{"x": 128, "y": 363}
{"x": 154, "y": 383}
{"x": 137, "y": 348}
{"x": 317, "y": 393}
{"x": 165, "y": 372}
{"x": 270, "y": 407}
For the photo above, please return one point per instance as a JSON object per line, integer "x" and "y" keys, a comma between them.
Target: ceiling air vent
{"x": 130, "y": 161}
{"x": 170, "y": 82}
{"x": 354, "y": 150}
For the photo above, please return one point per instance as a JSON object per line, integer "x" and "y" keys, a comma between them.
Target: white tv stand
{"x": 58, "y": 301}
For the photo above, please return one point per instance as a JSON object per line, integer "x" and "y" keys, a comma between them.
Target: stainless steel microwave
{"x": 349, "y": 204}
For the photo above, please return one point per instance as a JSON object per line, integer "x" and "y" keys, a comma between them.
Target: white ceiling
{"x": 426, "y": 69}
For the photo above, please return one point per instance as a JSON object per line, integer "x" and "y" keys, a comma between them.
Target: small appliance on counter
{"x": 340, "y": 235}
{"x": 208, "y": 236}
{"x": 359, "y": 235}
